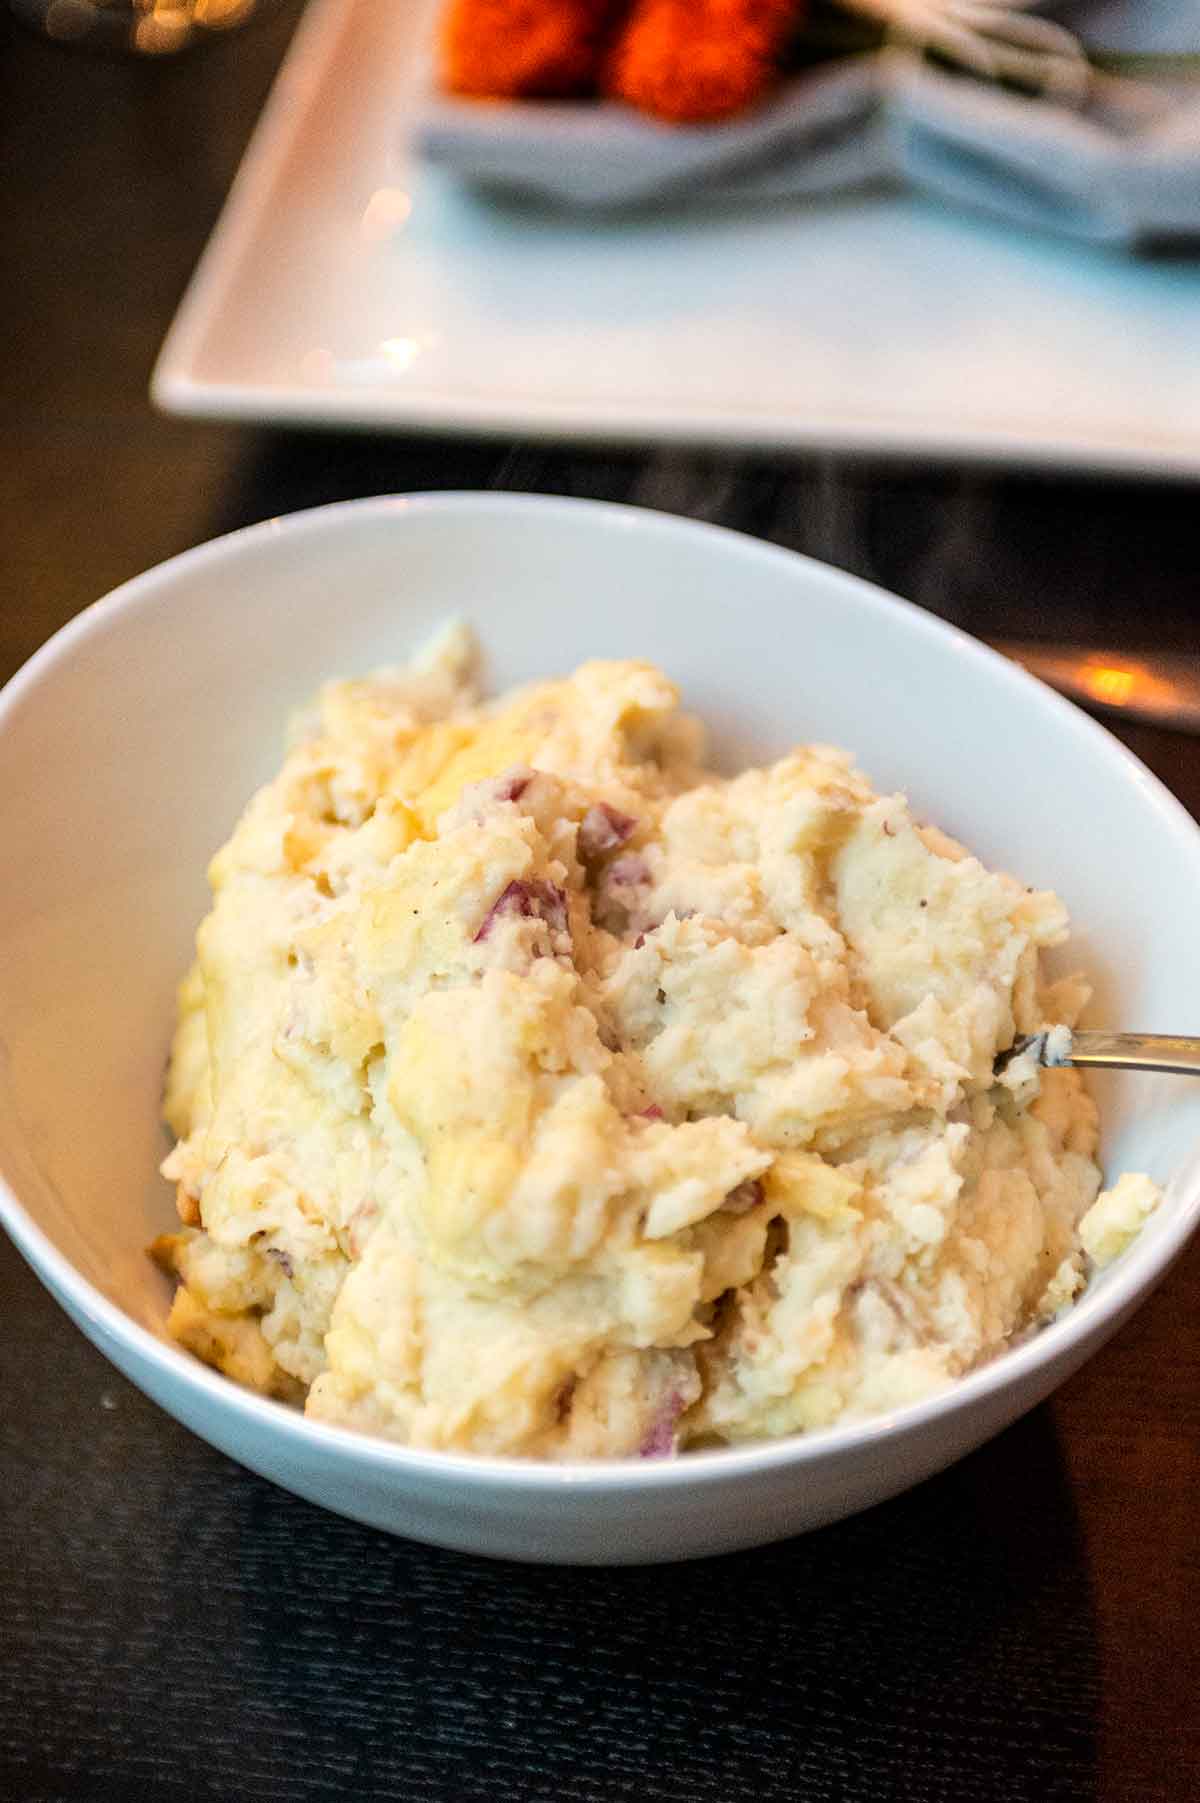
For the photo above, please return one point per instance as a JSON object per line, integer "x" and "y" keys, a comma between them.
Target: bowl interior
{"x": 132, "y": 741}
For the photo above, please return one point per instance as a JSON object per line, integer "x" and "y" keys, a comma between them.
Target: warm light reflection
{"x": 1151, "y": 685}
{"x": 151, "y": 27}
{"x": 163, "y": 26}
{"x": 391, "y": 358}
{"x": 220, "y": 15}
{"x": 400, "y": 352}
{"x": 1113, "y": 687}
{"x": 385, "y": 213}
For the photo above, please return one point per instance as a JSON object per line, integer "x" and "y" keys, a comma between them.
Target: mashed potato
{"x": 539, "y": 1092}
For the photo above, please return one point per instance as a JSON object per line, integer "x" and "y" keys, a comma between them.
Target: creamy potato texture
{"x": 539, "y": 1092}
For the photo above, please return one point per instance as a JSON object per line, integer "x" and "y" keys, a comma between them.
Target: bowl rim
{"x": 105, "y": 1322}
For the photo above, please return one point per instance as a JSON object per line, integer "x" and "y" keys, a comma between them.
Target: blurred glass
{"x": 136, "y": 27}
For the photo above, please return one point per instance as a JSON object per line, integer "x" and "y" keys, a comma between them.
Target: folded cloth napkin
{"x": 1121, "y": 167}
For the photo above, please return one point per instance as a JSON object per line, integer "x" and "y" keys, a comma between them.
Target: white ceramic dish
{"x": 131, "y": 741}
{"x": 347, "y": 285}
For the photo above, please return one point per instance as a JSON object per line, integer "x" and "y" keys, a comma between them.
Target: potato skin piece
{"x": 692, "y": 61}
{"x": 535, "y": 49}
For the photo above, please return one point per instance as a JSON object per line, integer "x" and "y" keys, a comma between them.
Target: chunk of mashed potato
{"x": 539, "y": 1092}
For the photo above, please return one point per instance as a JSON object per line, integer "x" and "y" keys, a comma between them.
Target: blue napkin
{"x": 1122, "y": 168}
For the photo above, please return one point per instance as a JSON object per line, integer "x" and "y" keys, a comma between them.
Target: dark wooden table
{"x": 1026, "y": 1627}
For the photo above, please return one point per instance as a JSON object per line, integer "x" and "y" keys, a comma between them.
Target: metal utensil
{"x": 1161, "y": 687}
{"x": 1108, "y": 1051}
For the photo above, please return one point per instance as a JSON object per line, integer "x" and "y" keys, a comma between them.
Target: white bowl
{"x": 131, "y": 741}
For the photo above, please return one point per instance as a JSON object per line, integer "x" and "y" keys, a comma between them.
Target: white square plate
{"x": 348, "y": 285}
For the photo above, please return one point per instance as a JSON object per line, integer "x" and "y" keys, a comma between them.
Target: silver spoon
{"x": 1057, "y": 1047}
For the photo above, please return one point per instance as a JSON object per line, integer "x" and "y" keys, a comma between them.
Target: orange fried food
{"x": 687, "y": 61}
{"x": 536, "y": 48}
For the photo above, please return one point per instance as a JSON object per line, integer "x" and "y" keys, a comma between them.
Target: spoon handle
{"x": 1135, "y": 1052}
